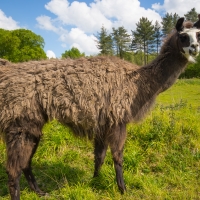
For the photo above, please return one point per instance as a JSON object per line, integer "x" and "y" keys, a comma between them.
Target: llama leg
{"x": 28, "y": 172}
{"x": 100, "y": 148}
{"x": 14, "y": 145}
{"x": 32, "y": 182}
{"x": 117, "y": 141}
{"x": 20, "y": 147}
{"x": 13, "y": 184}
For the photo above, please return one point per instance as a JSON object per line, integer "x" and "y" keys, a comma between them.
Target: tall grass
{"x": 161, "y": 156}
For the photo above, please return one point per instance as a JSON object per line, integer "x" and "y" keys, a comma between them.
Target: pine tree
{"x": 192, "y": 15}
{"x": 157, "y": 36}
{"x": 121, "y": 40}
{"x": 143, "y": 37}
{"x": 104, "y": 42}
{"x": 169, "y": 22}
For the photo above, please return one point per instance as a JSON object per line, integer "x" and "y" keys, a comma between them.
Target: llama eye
{"x": 183, "y": 37}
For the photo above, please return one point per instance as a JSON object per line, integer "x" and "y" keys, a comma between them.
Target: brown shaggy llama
{"x": 96, "y": 97}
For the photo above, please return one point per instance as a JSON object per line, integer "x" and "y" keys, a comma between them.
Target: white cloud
{"x": 78, "y": 14}
{"x": 46, "y": 23}
{"x": 50, "y": 54}
{"x": 109, "y": 13}
{"x": 180, "y": 7}
{"x": 7, "y": 22}
{"x": 79, "y": 39}
{"x": 78, "y": 22}
{"x": 125, "y": 13}
{"x": 63, "y": 45}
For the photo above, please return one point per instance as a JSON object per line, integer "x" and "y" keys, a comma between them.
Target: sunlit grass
{"x": 185, "y": 89}
{"x": 161, "y": 156}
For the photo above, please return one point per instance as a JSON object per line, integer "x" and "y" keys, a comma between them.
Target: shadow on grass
{"x": 49, "y": 176}
{"x": 103, "y": 182}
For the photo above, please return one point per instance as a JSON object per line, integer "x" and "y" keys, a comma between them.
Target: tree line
{"x": 143, "y": 44}
{"x": 140, "y": 46}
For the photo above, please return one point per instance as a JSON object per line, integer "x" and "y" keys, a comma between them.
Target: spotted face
{"x": 190, "y": 42}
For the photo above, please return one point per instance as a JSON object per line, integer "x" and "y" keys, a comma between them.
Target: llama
{"x": 96, "y": 97}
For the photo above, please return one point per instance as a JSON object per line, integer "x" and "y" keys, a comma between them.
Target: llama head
{"x": 189, "y": 39}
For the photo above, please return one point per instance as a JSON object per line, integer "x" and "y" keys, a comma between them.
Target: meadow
{"x": 161, "y": 156}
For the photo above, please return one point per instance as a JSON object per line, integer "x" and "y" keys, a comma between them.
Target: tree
{"x": 72, "y": 53}
{"x": 121, "y": 40}
{"x": 143, "y": 37}
{"x": 192, "y": 15}
{"x": 21, "y": 45}
{"x": 157, "y": 35}
{"x": 9, "y": 45}
{"x": 169, "y": 22}
{"x": 104, "y": 42}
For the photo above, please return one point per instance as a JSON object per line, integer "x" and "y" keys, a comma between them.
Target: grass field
{"x": 161, "y": 156}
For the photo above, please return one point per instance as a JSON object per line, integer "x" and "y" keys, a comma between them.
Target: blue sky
{"x": 64, "y": 24}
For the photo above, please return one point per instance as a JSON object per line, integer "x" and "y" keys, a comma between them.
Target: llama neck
{"x": 155, "y": 78}
{"x": 164, "y": 70}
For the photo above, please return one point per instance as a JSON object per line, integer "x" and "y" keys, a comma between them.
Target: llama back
{"x": 87, "y": 94}
{"x": 84, "y": 93}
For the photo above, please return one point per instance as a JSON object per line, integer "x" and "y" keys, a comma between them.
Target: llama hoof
{"x": 95, "y": 175}
{"x": 122, "y": 190}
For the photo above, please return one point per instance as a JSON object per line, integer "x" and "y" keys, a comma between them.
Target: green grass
{"x": 161, "y": 156}
{"x": 185, "y": 89}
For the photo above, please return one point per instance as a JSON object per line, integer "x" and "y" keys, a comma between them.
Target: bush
{"x": 192, "y": 70}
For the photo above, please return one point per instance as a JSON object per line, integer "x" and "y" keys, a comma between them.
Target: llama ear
{"x": 179, "y": 24}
